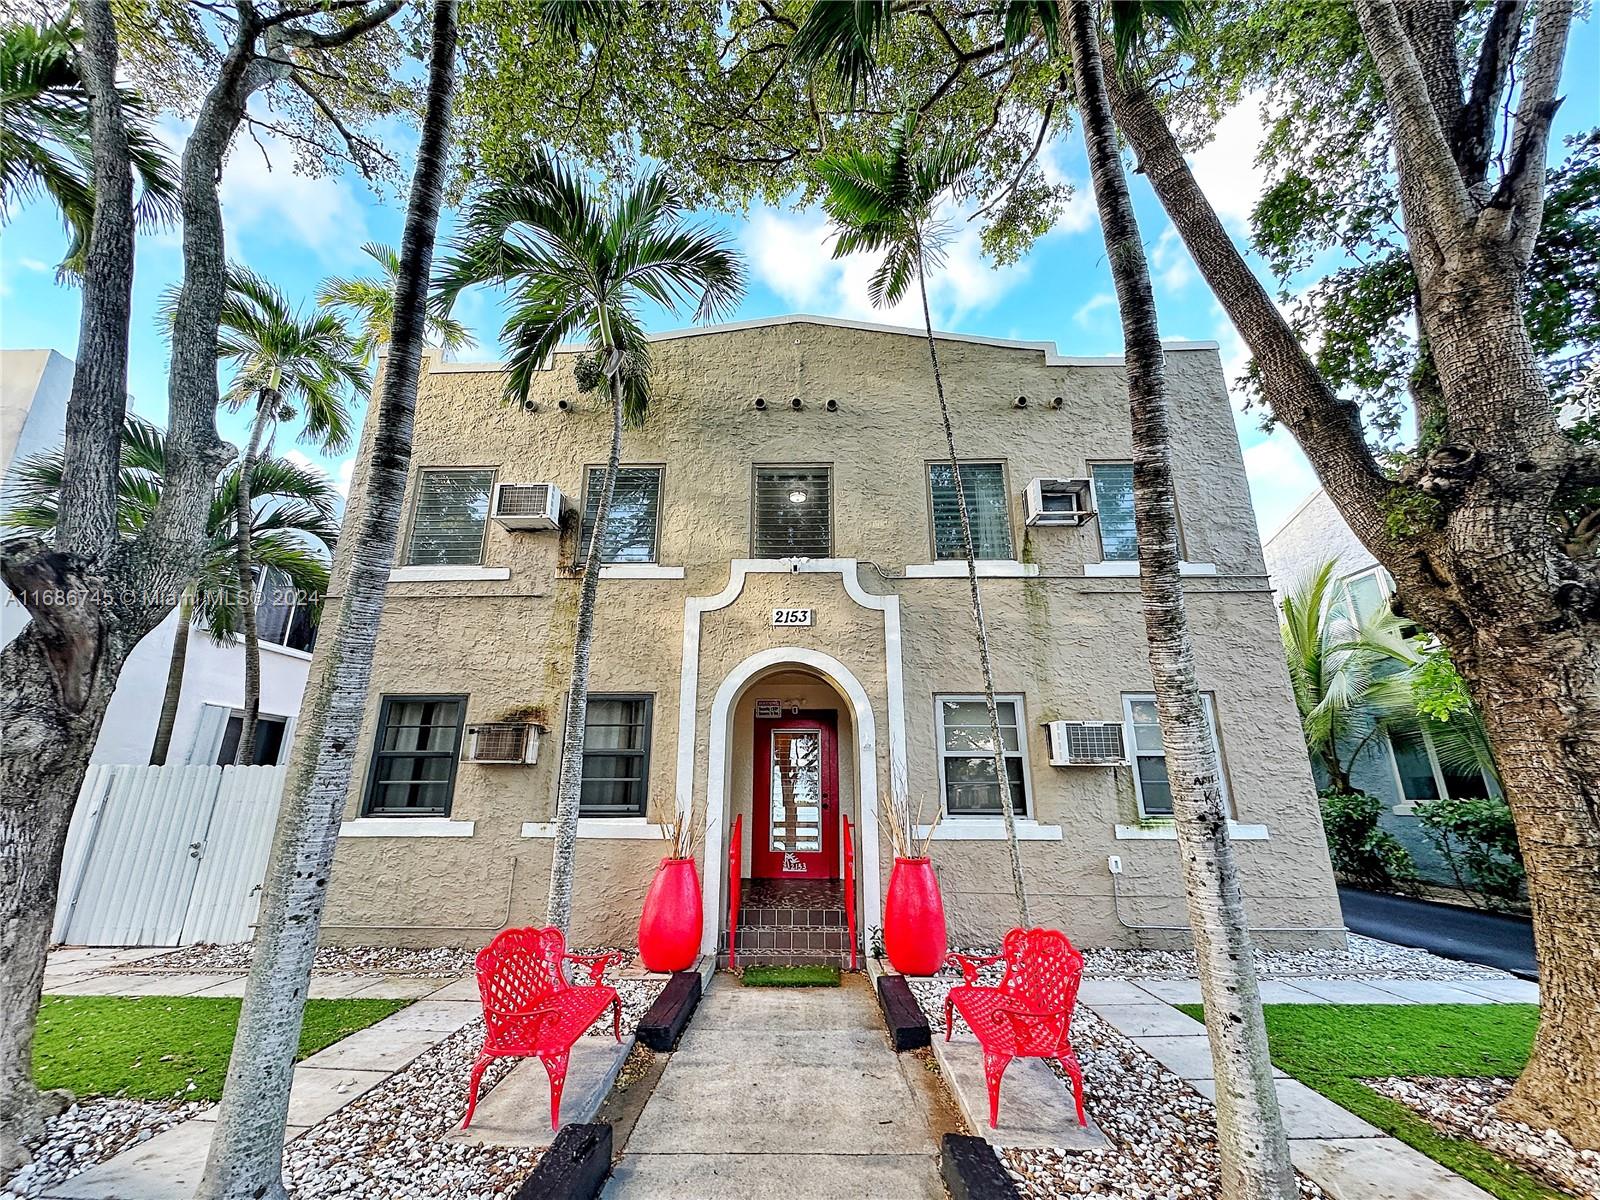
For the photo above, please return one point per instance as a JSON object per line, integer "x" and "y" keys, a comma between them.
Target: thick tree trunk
{"x": 244, "y": 579}
{"x": 1252, "y": 1147}
{"x": 980, "y": 627}
{"x": 174, "y": 692}
{"x": 245, "y": 1161}
{"x": 569, "y": 791}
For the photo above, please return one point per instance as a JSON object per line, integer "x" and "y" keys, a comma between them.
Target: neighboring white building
{"x": 34, "y": 385}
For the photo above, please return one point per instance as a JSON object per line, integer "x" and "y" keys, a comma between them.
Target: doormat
{"x": 795, "y": 976}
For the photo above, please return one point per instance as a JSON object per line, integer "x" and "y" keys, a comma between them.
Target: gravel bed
{"x": 89, "y": 1133}
{"x": 1465, "y": 1108}
{"x": 1163, "y": 1134}
{"x": 384, "y": 960}
{"x": 1363, "y": 958}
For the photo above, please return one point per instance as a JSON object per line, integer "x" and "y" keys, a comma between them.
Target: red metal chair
{"x": 1029, "y": 1015}
{"x": 532, "y": 1011}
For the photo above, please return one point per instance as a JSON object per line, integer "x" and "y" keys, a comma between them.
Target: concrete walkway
{"x": 790, "y": 1092}
{"x": 1321, "y": 991}
{"x": 114, "y": 971}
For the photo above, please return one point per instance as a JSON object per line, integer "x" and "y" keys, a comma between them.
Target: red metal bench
{"x": 530, "y": 1010}
{"x": 1029, "y": 1015}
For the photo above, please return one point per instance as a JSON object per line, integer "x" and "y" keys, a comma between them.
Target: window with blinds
{"x": 447, "y": 523}
{"x": 988, "y": 509}
{"x": 632, "y": 521}
{"x": 966, "y": 758}
{"x": 414, "y": 756}
{"x": 1113, "y": 502}
{"x": 793, "y": 515}
{"x": 616, "y": 756}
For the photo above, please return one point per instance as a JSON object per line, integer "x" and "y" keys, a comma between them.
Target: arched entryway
{"x": 734, "y": 737}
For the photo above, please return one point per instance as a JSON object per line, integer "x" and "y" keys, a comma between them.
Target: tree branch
{"x": 306, "y": 39}
{"x": 1473, "y": 132}
{"x": 359, "y": 147}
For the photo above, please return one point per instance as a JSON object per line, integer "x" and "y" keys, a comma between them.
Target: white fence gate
{"x": 167, "y": 856}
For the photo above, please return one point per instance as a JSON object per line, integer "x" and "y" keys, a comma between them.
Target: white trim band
{"x": 446, "y": 574}
{"x": 1129, "y": 568}
{"x": 989, "y": 829}
{"x": 406, "y": 827}
{"x": 1166, "y": 831}
{"x": 639, "y": 571}
{"x": 985, "y": 568}
{"x": 635, "y": 829}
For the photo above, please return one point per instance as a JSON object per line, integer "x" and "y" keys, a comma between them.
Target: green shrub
{"x": 1478, "y": 839}
{"x": 1362, "y": 853}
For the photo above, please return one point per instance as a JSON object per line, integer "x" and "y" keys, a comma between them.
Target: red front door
{"x": 796, "y": 798}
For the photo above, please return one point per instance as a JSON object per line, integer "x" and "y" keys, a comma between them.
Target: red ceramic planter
{"x": 913, "y": 918}
{"x": 669, "y": 927}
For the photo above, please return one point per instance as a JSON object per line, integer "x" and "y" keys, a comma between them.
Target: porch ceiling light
{"x": 797, "y": 496}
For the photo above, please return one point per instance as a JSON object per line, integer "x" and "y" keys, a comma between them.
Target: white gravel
{"x": 1363, "y": 958}
{"x": 385, "y": 960}
{"x": 1465, "y": 1108}
{"x": 1163, "y": 1133}
{"x": 89, "y": 1133}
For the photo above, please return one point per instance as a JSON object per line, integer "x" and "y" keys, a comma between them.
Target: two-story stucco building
{"x": 784, "y": 635}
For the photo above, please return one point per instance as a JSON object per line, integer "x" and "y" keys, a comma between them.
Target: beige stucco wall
{"x": 1070, "y": 644}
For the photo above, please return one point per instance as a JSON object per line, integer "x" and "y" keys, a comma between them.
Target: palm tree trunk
{"x": 979, "y": 625}
{"x": 1252, "y": 1147}
{"x": 244, "y": 604}
{"x": 563, "y": 855}
{"x": 174, "y": 692}
{"x": 245, "y": 1161}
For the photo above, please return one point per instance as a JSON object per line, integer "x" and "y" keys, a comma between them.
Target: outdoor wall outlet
{"x": 1114, "y": 864}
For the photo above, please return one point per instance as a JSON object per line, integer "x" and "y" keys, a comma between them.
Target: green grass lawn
{"x": 151, "y": 1047}
{"x": 1332, "y": 1047}
{"x": 799, "y": 975}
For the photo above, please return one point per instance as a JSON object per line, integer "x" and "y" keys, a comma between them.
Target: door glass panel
{"x": 795, "y": 795}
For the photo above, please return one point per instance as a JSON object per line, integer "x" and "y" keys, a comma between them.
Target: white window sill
{"x": 639, "y": 571}
{"x": 1166, "y": 831}
{"x": 1130, "y": 568}
{"x": 986, "y": 568}
{"x": 989, "y": 829}
{"x": 406, "y": 827}
{"x": 635, "y": 829}
{"x": 446, "y": 574}
{"x": 1406, "y": 808}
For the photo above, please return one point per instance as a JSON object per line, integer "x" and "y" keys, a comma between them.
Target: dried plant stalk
{"x": 680, "y": 828}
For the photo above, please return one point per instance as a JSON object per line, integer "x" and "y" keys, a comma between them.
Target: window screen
{"x": 987, "y": 509}
{"x": 1113, "y": 500}
{"x": 414, "y": 756}
{"x": 447, "y": 523}
{"x": 632, "y": 520}
{"x": 616, "y": 757}
{"x": 793, "y": 512}
{"x": 966, "y": 746}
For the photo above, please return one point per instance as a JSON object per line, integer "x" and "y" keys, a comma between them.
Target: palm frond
{"x": 846, "y": 36}
{"x": 1134, "y": 21}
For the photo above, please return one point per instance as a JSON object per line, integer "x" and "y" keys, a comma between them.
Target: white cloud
{"x": 1170, "y": 258}
{"x": 1226, "y": 168}
{"x": 1098, "y": 302}
{"x": 1280, "y": 478}
{"x": 1080, "y": 213}
{"x": 791, "y": 256}
{"x": 262, "y": 194}
{"x": 341, "y": 479}
{"x": 34, "y": 265}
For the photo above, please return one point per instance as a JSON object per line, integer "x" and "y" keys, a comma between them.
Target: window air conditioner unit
{"x": 503, "y": 743}
{"x": 527, "y": 505}
{"x": 1086, "y": 744}
{"x": 1058, "y": 502}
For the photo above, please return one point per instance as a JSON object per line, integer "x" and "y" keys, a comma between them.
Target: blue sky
{"x": 298, "y": 230}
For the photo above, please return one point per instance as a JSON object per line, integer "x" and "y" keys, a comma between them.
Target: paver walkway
{"x": 790, "y": 1092}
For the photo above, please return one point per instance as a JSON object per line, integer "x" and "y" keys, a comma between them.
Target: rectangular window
{"x": 793, "y": 515}
{"x": 269, "y": 740}
{"x": 285, "y": 616}
{"x": 1149, "y": 755}
{"x": 966, "y": 755}
{"x": 1113, "y": 504}
{"x": 1368, "y": 593}
{"x": 414, "y": 756}
{"x": 448, "y": 519}
{"x": 988, "y": 509}
{"x": 632, "y": 521}
{"x": 616, "y": 757}
{"x": 1424, "y": 776}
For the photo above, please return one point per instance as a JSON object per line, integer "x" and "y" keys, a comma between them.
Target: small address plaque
{"x": 791, "y": 616}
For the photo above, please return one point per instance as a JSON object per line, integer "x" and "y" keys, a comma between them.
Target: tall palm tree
{"x": 245, "y": 1161}
{"x": 883, "y": 202}
{"x": 293, "y": 526}
{"x": 286, "y": 366}
{"x": 44, "y": 136}
{"x": 369, "y": 302}
{"x": 573, "y": 266}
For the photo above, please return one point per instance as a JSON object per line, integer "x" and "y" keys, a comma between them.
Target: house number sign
{"x": 791, "y": 616}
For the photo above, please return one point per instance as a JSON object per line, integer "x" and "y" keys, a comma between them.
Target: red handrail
{"x": 850, "y": 885}
{"x": 735, "y": 853}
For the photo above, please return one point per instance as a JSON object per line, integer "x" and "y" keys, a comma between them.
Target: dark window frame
{"x": 263, "y": 723}
{"x": 416, "y": 502}
{"x": 755, "y": 475}
{"x": 370, "y": 792}
{"x": 933, "y": 529}
{"x": 591, "y": 469}
{"x": 644, "y": 755}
